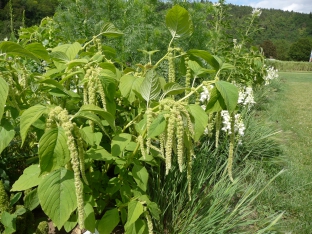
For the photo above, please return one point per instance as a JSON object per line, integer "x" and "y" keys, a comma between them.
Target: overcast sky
{"x": 304, "y": 6}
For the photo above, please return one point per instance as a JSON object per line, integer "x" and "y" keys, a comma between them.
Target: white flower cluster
{"x": 205, "y": 95}
{"x": 246, "y": 97}
{"x": 256, "y": 12}
{"x": 272, "y": 73}
{"x": 239, "y": 126}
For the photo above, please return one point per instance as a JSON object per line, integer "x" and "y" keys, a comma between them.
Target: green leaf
{"x": 201, "y": 120}
{"x": 91, "y": 137}
{"x": 39, "y": 50}
{"x": 197, "y": 69}
{"x": 15, "y": 49}
{"x": 31, "y": 200}
{"x": 59, "y": 86}
{"x": 99, "y": 111}
{"x": 135, "y": 209}
{"x": 216, "y": 102}
{"x": 28, "y": 179}
{"x": 4, "y": 91}
{"x": 89, "y": 218}
{"x": 157, "y": 127}
{"x": 6, "y": 137}
{"x": 9, "y": 222}
{"x": 227, "y": 66}
{"x": 172, "y": 89}
{"x": 90, "y": 116}
{"x": 139, "y": 227}
{"x": 119, "y": 143}
{"x": 57, "y": 196}
{"x": 109, "y": 221}
{"x": 179, "y": 22}
{"x": 229, "y": 93}
{"x": 20, "y": 211}
{"x": 140, "y": 175}
{"x": 109, "y": 30}
{"x": 154, "y": 209}
{"x": 205, "y": 55}
{"x": 15, "y": 198}
{"x": 71, "y": 222}
{"x": 53, "y": 150}
{"x": 30, "y": 116}
{"x": 150, "y": 87}
{"x": 76, "y": 62}
{"x": 71, "y": 50}
{"x": 127, "y": 86}
{"x": 99, "y": 153}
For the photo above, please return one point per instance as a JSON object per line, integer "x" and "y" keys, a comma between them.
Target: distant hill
{"x": 280, "y": 29}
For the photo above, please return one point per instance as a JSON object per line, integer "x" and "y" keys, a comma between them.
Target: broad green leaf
{"x": 71, "y": 50}
{"x": 157, "y": 127}
{"x": 89, "y": 220}
{"x": 139, "y": 227}
{"x": 20, "y": 211}
{"x": 201, "y": 120}
{"x": 127, "y": 86}
{"x": 109, "y": 221}
{"x": 57, "y": 196}
{"x": 53, "y": 150}
{"x": 197, "y": 69}
{"x": 119, "y": 143}
{"x": 59, "y": 86}
{"x": 15, "y": 49}
{"x": 4, "y": 91}
{"x": 179, "y": 22}
{"x": 135, "y": 209}
{"x": 109, "y": 30}
{"x": 140, "y": 175}
{"x": 15, "y": 198}
{"x": 154, "y": 209}
{"x": 99, "y": 153}
{"x": 150, "y": 87}
{"x": 6, "y": 137}
{"x": 30, "y": 116}
{"x": 227, "y": 66}
{"x": 9, "y": 222}
{"x": 90, "y": 116}
{"x": 71, "y": 222}
{"x": 39, "y": 50}
{"x": 91, "y": 137}
{"x": 172, "y": 89}
{"x": 205, "y": 55}
{"x": 99, "y": 111}
{"x": 229, "y": 92}
{"x": 76, "y": 62}
{"x": 30, "y": 178}
{"x": 216, "y": 102}
{"x": 31, "y": 200}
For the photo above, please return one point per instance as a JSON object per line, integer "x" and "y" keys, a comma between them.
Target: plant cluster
{"x": 102, "y": 131}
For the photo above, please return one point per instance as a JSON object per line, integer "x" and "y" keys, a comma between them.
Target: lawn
{"x": 290, "y": 111}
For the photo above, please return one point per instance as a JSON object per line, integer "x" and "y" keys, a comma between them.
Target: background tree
{"x": 269, "y": 49}
{"x": 300, "y": 50}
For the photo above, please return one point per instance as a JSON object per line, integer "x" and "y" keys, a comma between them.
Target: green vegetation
{"x": 118, "y": 122}
{"x": 290, "y": 65}
{"x": 289, "y": 111}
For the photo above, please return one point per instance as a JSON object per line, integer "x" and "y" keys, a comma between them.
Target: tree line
{"x": 284, "y": 35}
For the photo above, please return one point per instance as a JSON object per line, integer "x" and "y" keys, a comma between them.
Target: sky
{"x": 303, "y": 6}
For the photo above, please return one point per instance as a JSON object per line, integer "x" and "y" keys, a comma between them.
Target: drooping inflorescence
{"x": 59, "y": 116}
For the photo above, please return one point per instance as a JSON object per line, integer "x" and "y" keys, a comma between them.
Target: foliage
{"x": 269, "y": 49}
{"x": 290, "y": 66}
{"x": 97, "y": 128}
{"x": 301, "y": 50}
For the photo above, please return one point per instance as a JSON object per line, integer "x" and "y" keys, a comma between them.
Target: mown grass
{"x": 290, "y": 111}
